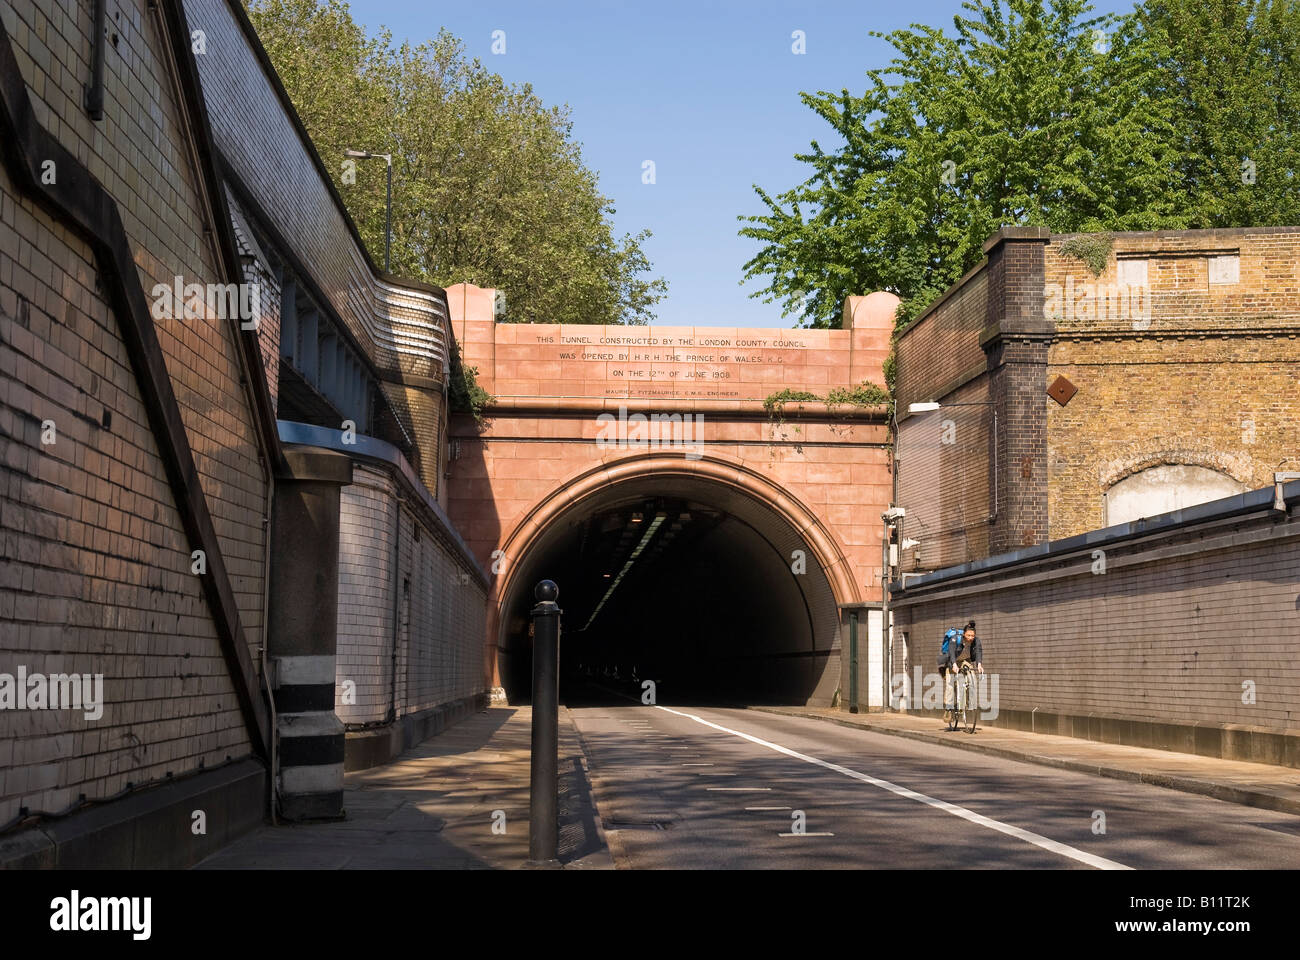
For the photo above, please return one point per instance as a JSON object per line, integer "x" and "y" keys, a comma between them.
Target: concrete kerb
{"x": 607, "y": 841}
{"x": 611, "y": 841}
{"x": 1206, "y": 788}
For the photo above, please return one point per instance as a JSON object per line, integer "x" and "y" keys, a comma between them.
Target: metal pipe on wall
{"x": 95, "y": 90}
{"x": 397, "y": 556}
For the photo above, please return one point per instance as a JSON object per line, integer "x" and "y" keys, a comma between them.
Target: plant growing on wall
{"x": 775, "y": 403}
{"x": 463, "y": 391}
{"x": 1093, "y": 249}
{"x": 865, "y": 394}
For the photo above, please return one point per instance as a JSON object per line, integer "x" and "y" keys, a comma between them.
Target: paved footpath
{"x": 1253, "y": 784}
{"x": 433, "y": 808}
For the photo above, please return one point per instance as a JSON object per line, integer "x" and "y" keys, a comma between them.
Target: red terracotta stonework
{"x": 825, "y": 471}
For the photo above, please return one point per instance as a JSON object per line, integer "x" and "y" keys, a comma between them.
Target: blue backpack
{"x": 951, "y": 636}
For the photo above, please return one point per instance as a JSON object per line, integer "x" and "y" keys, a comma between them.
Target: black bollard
{"x": 543, "y": 818}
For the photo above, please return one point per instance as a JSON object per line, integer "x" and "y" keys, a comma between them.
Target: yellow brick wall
{"x": 1211, "y": 377}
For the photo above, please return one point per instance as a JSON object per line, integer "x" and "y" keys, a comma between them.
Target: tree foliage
{"x": 488, "y": 185}
{"x": 1034, "y": 112}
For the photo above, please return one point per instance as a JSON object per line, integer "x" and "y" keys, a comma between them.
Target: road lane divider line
{"x": 813, "y": 834}
{"x": 1028, "y": 836}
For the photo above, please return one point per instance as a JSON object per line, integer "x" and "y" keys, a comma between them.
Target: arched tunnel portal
{"x": 714, "y": 589}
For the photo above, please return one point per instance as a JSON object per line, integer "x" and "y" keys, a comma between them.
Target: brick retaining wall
{"x": 1185, "y": 641}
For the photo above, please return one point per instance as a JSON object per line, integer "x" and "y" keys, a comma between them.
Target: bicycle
{"x": 953, "y": 714}
{"x": 966, "y": 690}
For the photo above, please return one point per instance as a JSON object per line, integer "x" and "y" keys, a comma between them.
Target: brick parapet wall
{"x": 1267, "y": 293}
{"x": 943, "y": 343}
{"x": 401, "y": 327}
{"x": 1017, "y": 389}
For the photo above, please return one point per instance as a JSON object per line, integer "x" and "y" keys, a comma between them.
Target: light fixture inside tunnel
{"x": 636, "y": 552}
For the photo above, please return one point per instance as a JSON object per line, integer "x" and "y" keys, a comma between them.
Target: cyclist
{"x": 947, "y": 653}
{"x": 967, "y": 665}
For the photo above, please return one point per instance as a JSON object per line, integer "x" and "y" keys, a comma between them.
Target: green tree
{"x": 488, "y": 185}
{"x": 1230, "y": 71}
{"x": 1030, "y": 112}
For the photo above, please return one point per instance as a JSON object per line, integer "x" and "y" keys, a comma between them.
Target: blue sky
{"x": 709, "y": 91}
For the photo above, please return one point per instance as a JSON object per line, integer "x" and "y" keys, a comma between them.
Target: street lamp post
{"x": 388, "y": 215}
{"x": 891, "y": 518}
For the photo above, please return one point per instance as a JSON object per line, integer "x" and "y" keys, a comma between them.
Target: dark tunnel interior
{"x": 714, "y": 599}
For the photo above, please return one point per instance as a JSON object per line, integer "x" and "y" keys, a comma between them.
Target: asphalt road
{"x": 705, "y": 787}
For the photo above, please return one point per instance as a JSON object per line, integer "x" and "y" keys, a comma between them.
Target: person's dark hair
{"x": 970, "y": 626}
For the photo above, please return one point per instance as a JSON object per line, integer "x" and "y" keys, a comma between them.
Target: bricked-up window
{"x": 1225, "y": 269}
{"x": 1132, "y": 270}
{"x": 1164, "y": 488}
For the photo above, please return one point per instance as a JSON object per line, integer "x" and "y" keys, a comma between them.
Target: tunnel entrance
{"x": 684, "y": 581}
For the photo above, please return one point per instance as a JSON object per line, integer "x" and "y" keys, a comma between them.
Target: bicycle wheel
{"x": 972, "y": 701}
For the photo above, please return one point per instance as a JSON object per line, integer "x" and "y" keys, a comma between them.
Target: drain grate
{"x": 637, "y": 824}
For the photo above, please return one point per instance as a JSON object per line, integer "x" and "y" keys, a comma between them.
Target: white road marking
{"x": 740, "y": 789}
{"x": 697, "y": 764}
{"x": 767, "y": 808}
{"x": 1065, "y": 850}
{"x": 814, "y": 834}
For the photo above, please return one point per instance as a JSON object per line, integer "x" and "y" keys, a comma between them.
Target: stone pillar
{"x": 474, "y": 327}
{"x": 302, "y": 632}
{"x": 1016, "y": 339}
{"x": 872, "y": 320}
